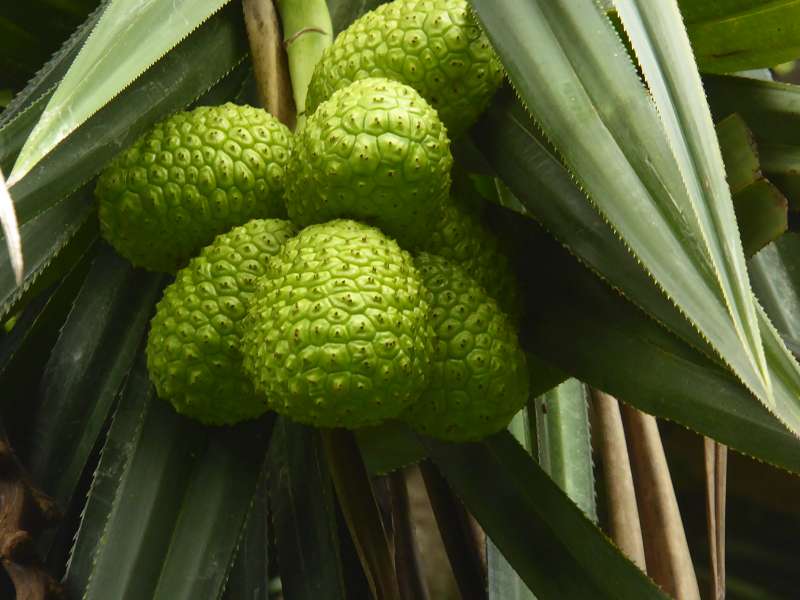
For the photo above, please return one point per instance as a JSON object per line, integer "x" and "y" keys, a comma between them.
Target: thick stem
{"x": 269, "y": 59}
{"x": 716, "y": 470}
{"x": 307, "y": 32}
{"x": 624, "y": 525}
{"x": 666, "y": 549}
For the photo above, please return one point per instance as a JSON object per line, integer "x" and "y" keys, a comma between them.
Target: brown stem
{"x": 716, "y": 469}
{"x": 666, "y": 549}
{"x": 624, "y": 525}
{"x": 269, "y": 59}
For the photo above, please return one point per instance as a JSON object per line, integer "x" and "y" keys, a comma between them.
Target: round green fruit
{"x": 433, "y": 45}
{"x": 376, "y": 152}
{"x": 461, "y": 237}
{"x": 478, "y": 378}
{"x": 193, "y": 348}
{"x": 337, "y": 335}
{"x": 191, "y": 177}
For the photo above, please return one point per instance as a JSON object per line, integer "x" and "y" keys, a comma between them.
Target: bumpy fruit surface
{"x": 193, "y": 349}
{"x": 433, "y": 45}
{"x": 461, "y": 237}
{"x": 376, "y": 152}
{"x": 191, "y": 177}
{"x": 337, "y": 335}
{"x": 479, "y": 378}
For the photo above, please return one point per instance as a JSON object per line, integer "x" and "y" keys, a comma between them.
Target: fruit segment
{"x": 191, "y": 177}
{"x": 435, "y": 46}
{"x": 376, "y": 152}
{"x": 478, "y": 378}
{"x": 338, "y": 333}
{"x": 193, "y": 349}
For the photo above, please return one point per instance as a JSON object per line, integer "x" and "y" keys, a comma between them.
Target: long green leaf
{"x": 574, "y": 74}
{"x": 116, "y": 454}
{"x": 360, "y": 510}
{"x": 772, "y": 110}
{"x": 303, "y": 514}
{"x": 764, "y": 210}
{"x": 43, "y": 239}
{"x": 587, "y": 329}
{"x": 734, "y": 35}
{"x": 662, "y": 47}
{"x": 78, "y": 389}
{"x": 565, "y": 444}
{"x": 544, "y": 535}
{"x": 215, "y": 505}
{"x": 180, "y": 499}
{"x": 542, "y": 184}
{"x": 130, "y": 36}
{"x": 775, "y": 272}
{"x": 170, "y": 85}
{"x": 249, "y": 577}
{"x": 42, "y": 85}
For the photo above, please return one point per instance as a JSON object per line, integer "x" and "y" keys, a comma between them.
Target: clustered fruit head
{"x": 479, "y": 378}
{"x": 191, "y": 177}
{"x": 377, "y": 152}
{"x": 193, "y": 349}
{"x": 338, "y": 333}
{"x": 336, "y": 325}
{"x": 433, "y": 45}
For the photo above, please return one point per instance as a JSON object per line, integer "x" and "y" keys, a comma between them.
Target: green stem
{"x": 307, "y": 32}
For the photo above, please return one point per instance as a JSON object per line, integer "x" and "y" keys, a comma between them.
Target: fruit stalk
{"x": 307, "y": 32}
{"x": 269, "y": 59}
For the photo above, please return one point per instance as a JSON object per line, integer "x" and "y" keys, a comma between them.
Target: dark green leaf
{"x": 129, "y": 37}
{"x": 734, "y": 35}
{"x": 215, "y": 505}
{"x": 775, "y": 272}
{"x": 77, "y": 391}
{"x": 168, "y": 502}
{"x": 171, "y": 84}
{"x": 587, "y": 329}
{"x": 304, "y": 515}
{"x": 360, "y": 510}
{"x": 457, "y": 534}
{"x": 739, "y": 152}
{"x": 40, "y": 88}
{"x": 117, "y": 453}
{"x": 44, "y": 238}
{"x": 543, "y": 185}
{"x": 772, "y": 111}
{"x": 249, "y": 577}
{"x": 548, "y": 540}
{"x": 762, "y": 210}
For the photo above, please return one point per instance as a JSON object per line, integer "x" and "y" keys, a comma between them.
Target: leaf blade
{"x": 575, "y": 94}
{"x": 119, "y": 49}
{"x": 572, "y": 557}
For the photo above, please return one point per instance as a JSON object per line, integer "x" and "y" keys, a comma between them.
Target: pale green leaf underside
{"x": 576, "y": 78}
{"x": 130, "y": 36}
{"x": 662, "y": 47}
{"x": 565, "y": 444}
